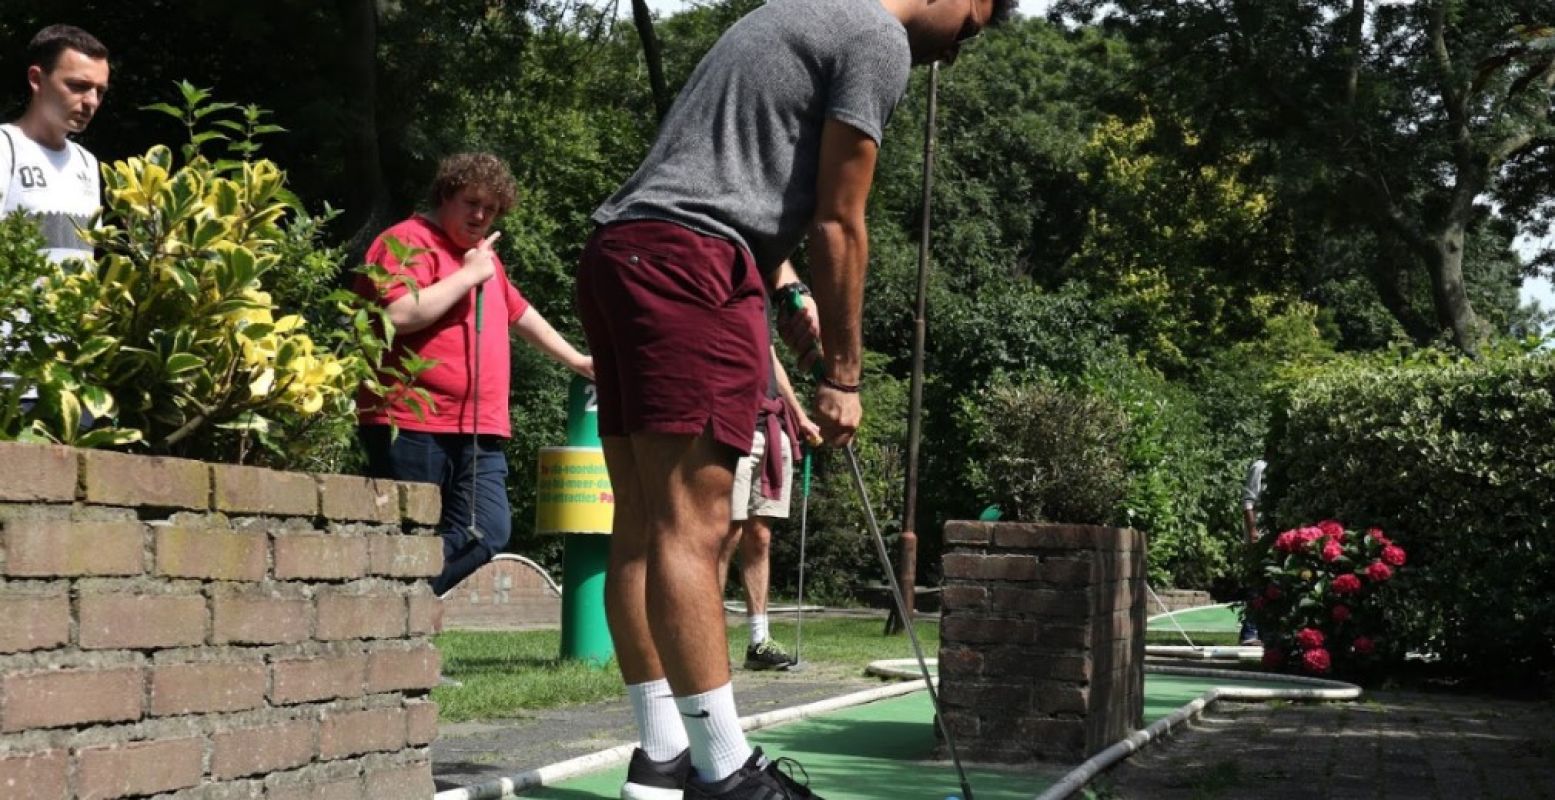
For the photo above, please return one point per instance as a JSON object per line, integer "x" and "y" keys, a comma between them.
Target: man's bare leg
{"x": 685, "y": 485}
{"x": 756, "y": 564}
{"x": 730, "y": 544}
{"x": 756, "y": 572}
{"x": 659, "y": 727}
{"x": 686, "y": 482}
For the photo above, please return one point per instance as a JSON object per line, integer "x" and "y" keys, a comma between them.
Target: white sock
{"x": 758, "y": 628}
{"x": 658, "y": 720}
{"x": 718, "y": 746}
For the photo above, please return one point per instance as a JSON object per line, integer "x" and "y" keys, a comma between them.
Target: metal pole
{"x": 908, "y": 561}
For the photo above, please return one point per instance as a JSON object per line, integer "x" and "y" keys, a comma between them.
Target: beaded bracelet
{"x": 845, "y": 388}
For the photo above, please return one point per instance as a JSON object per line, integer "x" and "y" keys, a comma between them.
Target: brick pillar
{"x": 1042, "y": 639}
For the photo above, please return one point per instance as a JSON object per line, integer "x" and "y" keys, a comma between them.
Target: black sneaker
{"x": 767, "y": 655}
{"x": 759, "y": 779}
{"x": 647, "y": 779}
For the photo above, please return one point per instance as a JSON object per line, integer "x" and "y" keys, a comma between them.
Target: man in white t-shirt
{"x": 42, "y": 172}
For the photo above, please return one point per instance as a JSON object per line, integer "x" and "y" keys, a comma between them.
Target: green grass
{"x": 1201, "y": 638}
{"x": 506, "y": 674}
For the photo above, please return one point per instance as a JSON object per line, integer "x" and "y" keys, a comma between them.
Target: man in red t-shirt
{"x": 454, "y": 257}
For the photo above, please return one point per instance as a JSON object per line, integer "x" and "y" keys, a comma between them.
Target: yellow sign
{"x": 573, "y": 491}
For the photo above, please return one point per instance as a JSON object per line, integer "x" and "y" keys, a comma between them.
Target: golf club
{"x": 901, "y": 608}
{"x": 795, "y": 304}
{"x": 475, "y": 414}
{"x": 804, "y": 520}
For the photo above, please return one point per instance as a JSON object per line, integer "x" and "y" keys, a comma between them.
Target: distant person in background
{"x": 448, "y": 445}
{"x": 763, "y": 491}
{"x": 42, "y": 172}
{"x": 1250, "y": 493}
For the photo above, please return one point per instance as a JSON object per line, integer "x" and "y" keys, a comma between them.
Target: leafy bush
{"x": 1177, "y": 474}
{"x": 170, "y": 339}
{"x": 1322, "y": 597}
{"x": 1051, "y": 453}
{"x": 1456, "y": 457}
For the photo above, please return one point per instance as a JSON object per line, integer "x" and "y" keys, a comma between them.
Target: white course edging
{"x": 552, "y": 774}
{"x": 1074, "y": 781}
{"x": 1095, "y": 765}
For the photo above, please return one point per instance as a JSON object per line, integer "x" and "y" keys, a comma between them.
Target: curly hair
{"x": 479, "y": 170}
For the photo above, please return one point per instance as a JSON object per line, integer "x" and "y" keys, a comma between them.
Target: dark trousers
{"x": 446, "y": 459}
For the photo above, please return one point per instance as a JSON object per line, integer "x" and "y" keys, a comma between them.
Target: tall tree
{"x": 1410, "y": 117}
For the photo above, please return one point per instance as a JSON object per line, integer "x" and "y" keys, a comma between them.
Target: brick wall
{"x": 1041, "y": 639}
{"x": 1177, "y": 600}
{"x": 509, "y": 593}
{"x": 199, "y": 632}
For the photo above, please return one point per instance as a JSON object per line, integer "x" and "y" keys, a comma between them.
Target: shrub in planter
{"x": 1321, "y": 597}
{"x": 1050, "y": 452}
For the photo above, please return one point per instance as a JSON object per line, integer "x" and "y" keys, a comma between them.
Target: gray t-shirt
{"x": 738, "y": 153}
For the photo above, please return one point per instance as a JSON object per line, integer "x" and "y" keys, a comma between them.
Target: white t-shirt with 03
{"x": 59, "y": 188}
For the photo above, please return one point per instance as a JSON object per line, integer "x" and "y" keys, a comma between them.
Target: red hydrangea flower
{"x": 1309, "y": 638}
{"x": 1309, "y": 535}
{"x": 1332, "y": 551}
{"x": 1393, "y": 555}
{"x": 1272, "y": 592}
{"x": 1316, "y": 660}
{"x": 1364, "y": 645}
{"x": 1377, "y": 536}
{"x": 1378, "y": 572}
{"x": 1288, "y": 542}
{"x": 1341, "y": 613}
{"x": 1347, "y": 583}
{"x": 1272, "y": 657}
{"x": 1331, "y": 528}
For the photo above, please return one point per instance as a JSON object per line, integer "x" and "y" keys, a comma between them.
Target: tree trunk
{"x": 1454, "y": 312}
{"x": 644, "y": 22}
{"x": 368, "y": 202}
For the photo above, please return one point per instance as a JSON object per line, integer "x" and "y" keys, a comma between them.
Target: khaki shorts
{"x": 748, "y": 501}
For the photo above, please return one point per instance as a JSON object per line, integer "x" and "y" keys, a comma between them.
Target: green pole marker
{"x": 585, "y": 633}
{"x": 582, "y": 414}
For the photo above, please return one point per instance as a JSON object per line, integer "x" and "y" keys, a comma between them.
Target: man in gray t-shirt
{"x": 772, "y": 140}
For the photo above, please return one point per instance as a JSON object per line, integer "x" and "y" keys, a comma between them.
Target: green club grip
{"x": 793, "y": 303}
{"x": 480, "y": 307}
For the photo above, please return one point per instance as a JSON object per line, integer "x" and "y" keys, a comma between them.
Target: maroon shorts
{"x": 676, "y": 322}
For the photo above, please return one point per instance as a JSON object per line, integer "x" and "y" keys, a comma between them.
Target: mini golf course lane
{"x": 881, "y": 751}
{"x": 1203, "y": 619}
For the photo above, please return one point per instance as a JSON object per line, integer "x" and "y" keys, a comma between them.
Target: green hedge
{"x": 1457, "y": 462}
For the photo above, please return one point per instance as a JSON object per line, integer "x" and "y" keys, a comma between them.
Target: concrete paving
{"x": 1387, "y": 745}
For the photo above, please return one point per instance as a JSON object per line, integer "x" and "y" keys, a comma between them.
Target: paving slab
{"x": 1385, "y": 746}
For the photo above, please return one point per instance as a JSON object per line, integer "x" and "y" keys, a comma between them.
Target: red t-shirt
{"x": 449, "y": 340}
